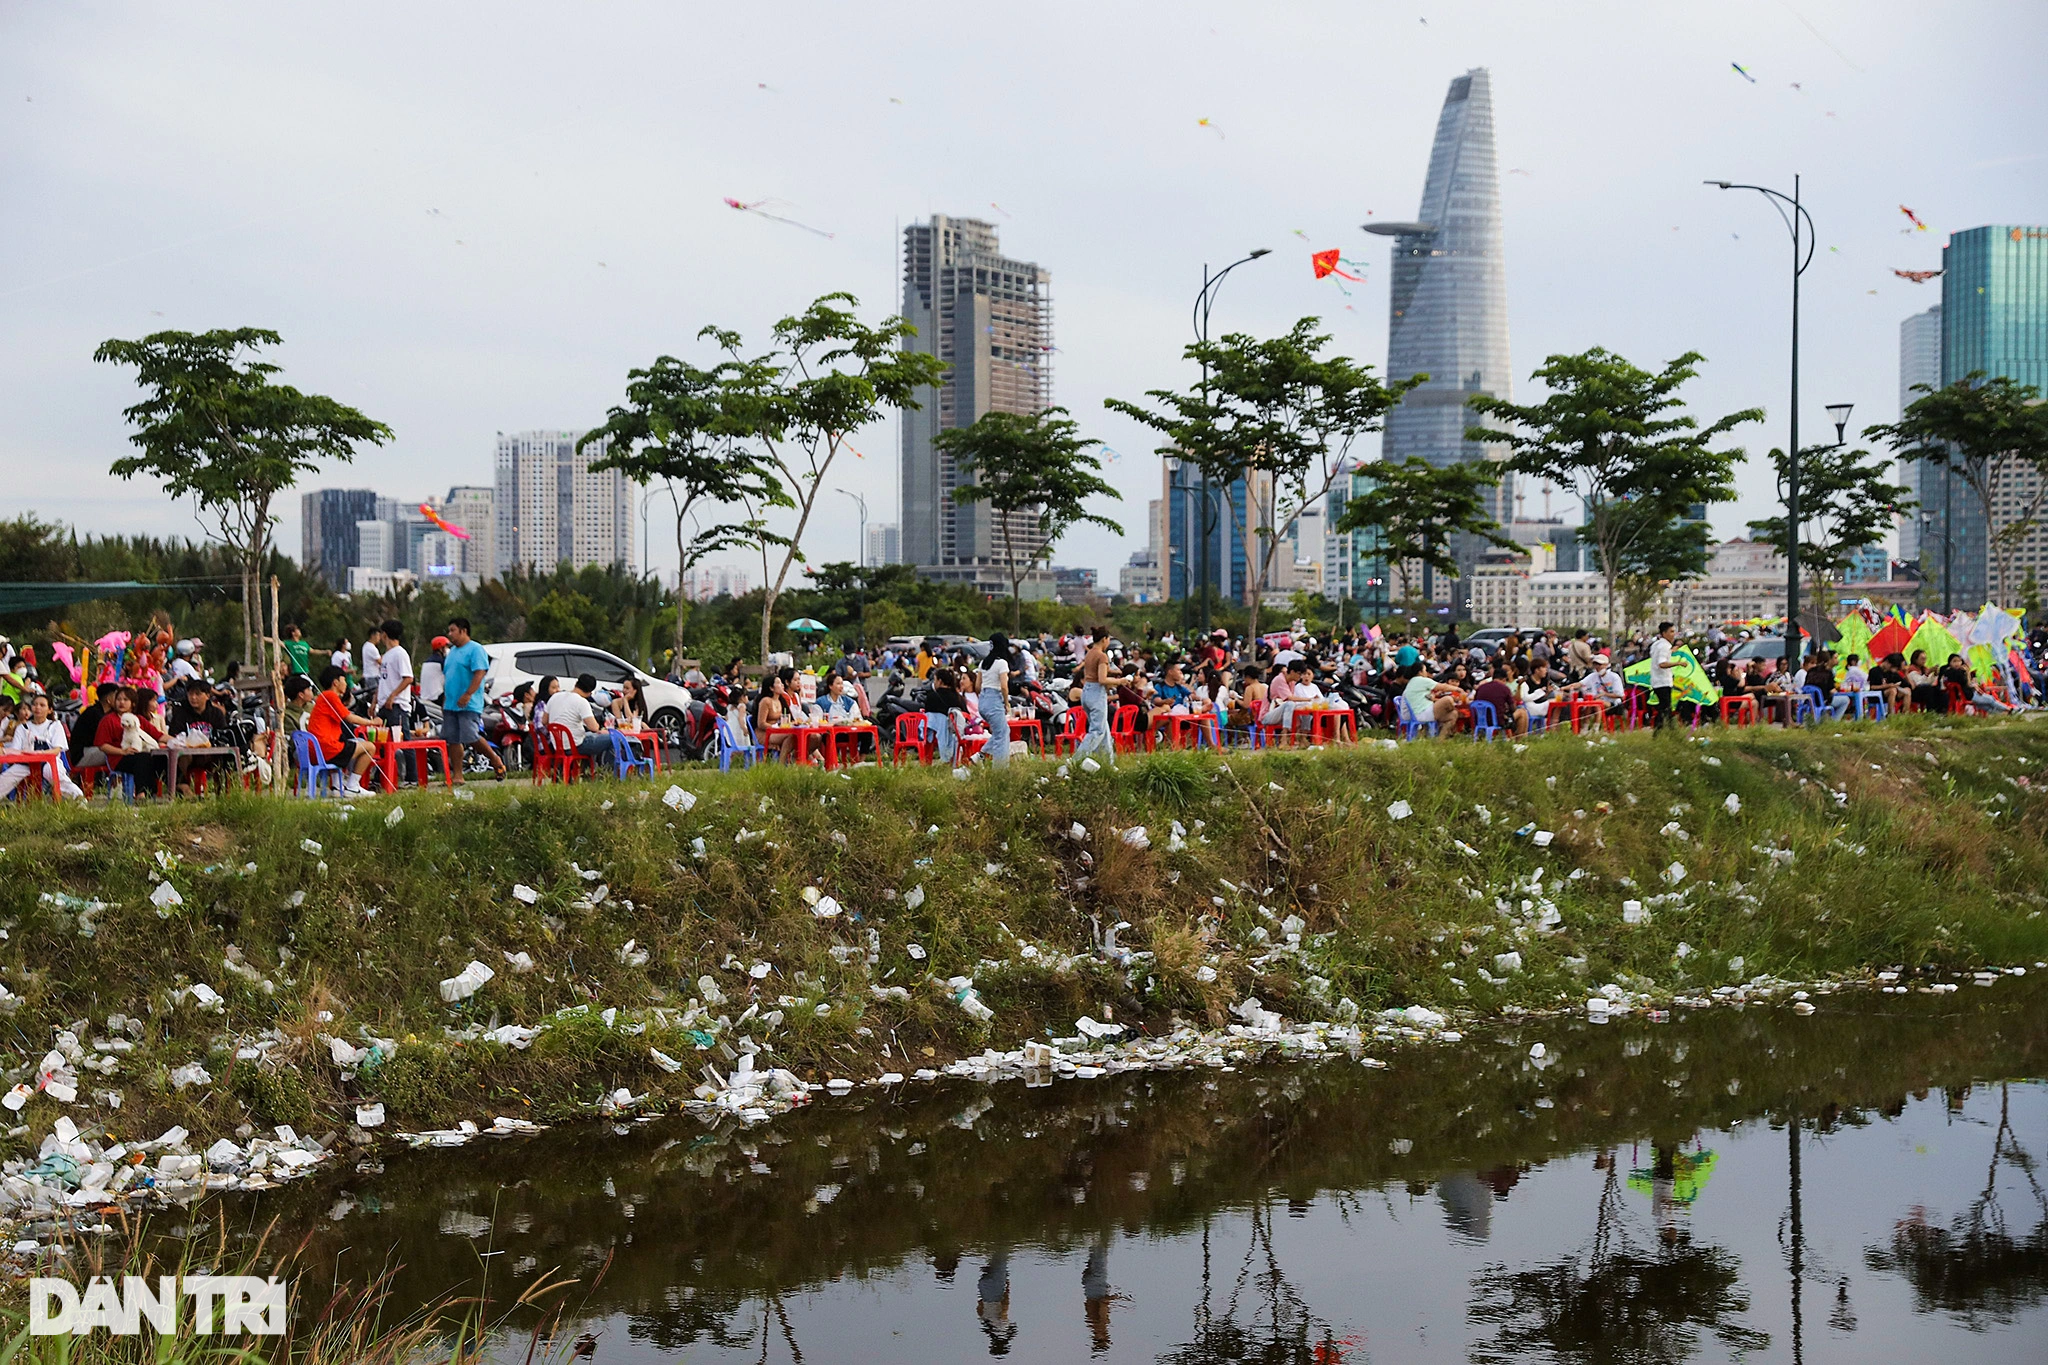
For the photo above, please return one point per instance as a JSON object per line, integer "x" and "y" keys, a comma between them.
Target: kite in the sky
{"x": 1742, "y": 73}
{"x": 1205, "y": 123}
{"x": 431, "y": 515}
{"x": 1328, "y": 263}
{"x": 1916, "y": 276}
{"x": 1912, "y": 218}
{"x": 759, "y": 208}
{"x": 999, "y": 208}
{"x": 1299, "y": 233}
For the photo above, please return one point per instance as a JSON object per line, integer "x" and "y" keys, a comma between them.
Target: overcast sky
{"x": 468, "y": 219}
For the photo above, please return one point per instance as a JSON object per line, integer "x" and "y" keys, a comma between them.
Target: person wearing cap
{"x": 1603, "y": 684}
{"x": 430, "y": 673}
{"x": 185, "y": 661}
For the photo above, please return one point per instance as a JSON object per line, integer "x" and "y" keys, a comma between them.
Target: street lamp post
{"x": 1802, "y": 256}
{"x": 1204, "y": 301}
{"x": 1927, "y": 527}
{"x": 863, "y": 522}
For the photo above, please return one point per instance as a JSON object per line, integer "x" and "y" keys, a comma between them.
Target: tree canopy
{"x": 215, "y": 427}
{"x": 1619, "y": 438}
{"x": 1036, "y": 473}
{"x": 1417, "y": 510}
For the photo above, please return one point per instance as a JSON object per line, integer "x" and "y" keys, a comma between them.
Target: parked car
{"x": 519, "y": 661}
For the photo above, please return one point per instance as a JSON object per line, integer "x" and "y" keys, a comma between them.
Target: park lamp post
{"x": 1204, "y": 301}
{"x": 1802, "y": 257}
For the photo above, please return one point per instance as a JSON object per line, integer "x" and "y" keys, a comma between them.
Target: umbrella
{"x": 807, "y": 626}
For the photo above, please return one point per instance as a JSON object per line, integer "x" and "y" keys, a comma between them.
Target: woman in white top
{"x": 40, "y": 732}
{"x": 995, "y": 697}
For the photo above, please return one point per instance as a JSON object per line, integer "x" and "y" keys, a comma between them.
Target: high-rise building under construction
{"x": 990, "y": 319}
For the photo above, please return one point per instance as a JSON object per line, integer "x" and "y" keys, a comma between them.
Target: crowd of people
{"x": 156, "y": 718}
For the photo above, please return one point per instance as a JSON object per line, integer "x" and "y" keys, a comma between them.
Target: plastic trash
{"x": 1077, "y": 831}
{"x": 631, "y": 954}
{"x": 1400, "y": 810}
{"x": 1674, "y": 874}
{"x": 1537, "y": 1050}
{"x": 913, "y": 897}
{"x": 520, "y": 962}
{"x": 1089, "y": 1028}
{"x": 1526, "y": 830}
{"x": 312, "y": 846}
{"x": 466, "y": 983}
{"x": 697, "y": 847}
{"x": 1733, "y": 805}
{"x": 676, "y": 799}
{"x": 1136, "y": 837}
{"x": 1507, "y": 962}
{"x": 826, "y": 908}
{"x": 916, "y": 951}
{"x": 708, "y": 988}
{"x": 397, "y": 814}
{"x": 192, "y": 1073}
{"x": 1089, "y": 765}
{"x": 1632, "y": 912}
{"x": 524, "y": 894}
{"x": 345, "y": 1053}
{"x": 165, "y": 896}
{"x": 662, "y": 1059}
{"x": 1205, "y": 974}
{"x": 759, "y": 971}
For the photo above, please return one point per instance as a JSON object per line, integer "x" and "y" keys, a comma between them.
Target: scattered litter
{"x": 311, "y": 846}
{"x": 676, "y": 799}
{"x": 1733, "y": 805}
{"x": 165, "y": 896}
{"x": 397, "y": 814}
{"x": 524, "y": 894}
{"x": 466, "y": 983}
{"x": 1400, "y": 810}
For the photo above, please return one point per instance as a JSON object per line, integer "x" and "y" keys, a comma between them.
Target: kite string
{"x": 1822, "y": 36}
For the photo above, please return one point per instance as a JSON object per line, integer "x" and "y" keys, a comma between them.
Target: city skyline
{"x": 424, "y": 240}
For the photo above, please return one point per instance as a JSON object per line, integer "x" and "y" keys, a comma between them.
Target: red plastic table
{"x": 1587, "y": 706}
{"x": 1182, "y": 731}
{"x": 44, "y": 758}
{"x": 829, "y": 736}
{"x": 1327, "y": 723}
{"x": 1019, "y": 726}
{"x": 650, "y": 744}
{"x": 387, "y": 761}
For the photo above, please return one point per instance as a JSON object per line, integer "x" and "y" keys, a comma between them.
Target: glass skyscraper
{"x": 1919, "y": 363}
{"x": 1448, "y": 316}
{"x": 1994, "y": 320}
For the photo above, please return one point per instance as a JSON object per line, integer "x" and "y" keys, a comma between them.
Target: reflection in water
{"x": 1262, "y": 1320}
{"x": 1164, "y": 1194}
{"x": 1976, "y": 1268}
{"x": 1613, "y": 1300}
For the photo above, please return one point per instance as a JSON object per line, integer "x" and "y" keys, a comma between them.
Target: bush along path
{"x": 224, "y": 992}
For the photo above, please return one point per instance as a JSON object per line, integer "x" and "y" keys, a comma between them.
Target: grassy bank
{"x": 1915, "y": 843}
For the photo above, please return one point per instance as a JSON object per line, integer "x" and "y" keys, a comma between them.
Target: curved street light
{"x": 1802, "y": 256}
{"x": 1204, "y": 301}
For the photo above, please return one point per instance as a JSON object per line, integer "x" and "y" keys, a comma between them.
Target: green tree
{"x": 1992, "y": 434}
{"x": 1036, "y": 475}
{"x": 1277, "y": 414}
{"x": 674, "y": 429}
{"x": 1846, "y": 502}
{"x": 1416, "y": 511}
{"x": 881, "y": 620}
{"x": 1656, "y": 551}
{"x": 1617, "y": 437}
{"x": 827, "y": 375}
{"x": 216, "y": 428}
{"x": 569, "y": 615}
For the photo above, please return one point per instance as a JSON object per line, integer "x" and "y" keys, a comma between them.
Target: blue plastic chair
{"x": 1870, "y": 706}
{"x": 729, "y": 745}
{"x": 1810, "y": 707}
{"x": 622, "y": 755}
{"x": 313, "y": 769}
{"x": 1485, "y": 721}
{"x": 1404, "y": 715}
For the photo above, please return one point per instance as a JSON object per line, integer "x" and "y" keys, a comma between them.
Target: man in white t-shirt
{"x": 1663, "y": 673}
{"x": 184, "y": 665}
{"x": 393, "y": 679}
{"x": 572, "y": 707}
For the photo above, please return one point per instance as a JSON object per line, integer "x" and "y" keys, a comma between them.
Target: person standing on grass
{"x": 1663, "y": 649}
{"x": 391, "y": 689}
{"x": 995, "y": 698}
{"x": 1097, "y": 676}
{"x": 463, "y": 674}
{"x": 298, "y": 654}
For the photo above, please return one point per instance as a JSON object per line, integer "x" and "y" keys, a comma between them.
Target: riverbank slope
{"x": 300, "y": 962}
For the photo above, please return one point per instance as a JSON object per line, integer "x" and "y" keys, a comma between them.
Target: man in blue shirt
{"x": 463, "y": 674}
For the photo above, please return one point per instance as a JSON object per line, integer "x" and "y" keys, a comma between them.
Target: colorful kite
{"x": 1204, "y": 123}
{"x": 759, "y": 209}
{"x": 999, "y": 208}
{"x": 431, "y": 515}
{"x": 1916, "y": 276}
{"x": 1327, "y": 262}
{"x": 1744, "y": 74}
{"x": 1912, "y": 218}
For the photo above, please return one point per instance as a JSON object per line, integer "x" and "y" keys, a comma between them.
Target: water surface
{"x": 1860, "y": 1185}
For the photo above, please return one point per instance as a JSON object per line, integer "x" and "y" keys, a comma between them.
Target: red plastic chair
{"x": 554, "y": 750}
{"x": 911, "y": 739}
{"x": 1123, "y": 730}
{"x": 1066, "y": 736}
{"x": 1958, "y": 700}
